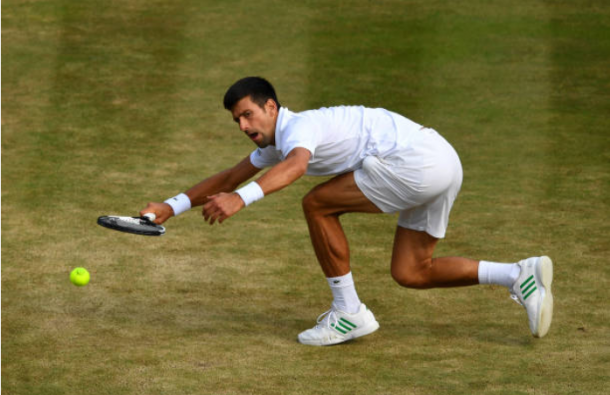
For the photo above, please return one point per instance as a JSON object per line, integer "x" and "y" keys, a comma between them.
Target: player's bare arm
{"x": 285, "y": 172}
{"x": 224, "y": 181}
{"x": 224, "y": 205}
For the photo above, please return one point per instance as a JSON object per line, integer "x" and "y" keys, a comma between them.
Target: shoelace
{"x": 328, "y": 317}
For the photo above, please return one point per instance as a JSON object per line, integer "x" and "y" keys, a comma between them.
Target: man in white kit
{"x": 382, "y": 163}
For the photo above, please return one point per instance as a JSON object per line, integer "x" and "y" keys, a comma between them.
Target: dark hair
{"x": 259, "y": 90}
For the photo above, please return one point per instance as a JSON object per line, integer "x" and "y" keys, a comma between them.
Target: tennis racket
{"x": 136, "y": 225}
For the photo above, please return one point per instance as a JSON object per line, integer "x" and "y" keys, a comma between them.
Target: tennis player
{"x": 382, "y": 163}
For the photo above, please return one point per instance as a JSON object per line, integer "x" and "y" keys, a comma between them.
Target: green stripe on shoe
{"x": 338, "y": 329}
{"x": 343, "y": 326}
{"x": 529, "y": 293}
{"x": 532, "y": 284}
{"x": 523, "y": 284}
{"x": 343, "y": 320}
{"x": 528, "y": 287}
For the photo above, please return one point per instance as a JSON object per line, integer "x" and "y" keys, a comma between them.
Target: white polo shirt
{"x": 339, "y": 138}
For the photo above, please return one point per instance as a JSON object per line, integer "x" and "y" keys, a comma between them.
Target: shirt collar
{"x": 283, "y": 117}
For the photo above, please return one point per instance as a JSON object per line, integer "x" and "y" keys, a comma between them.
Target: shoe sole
{"x": 367, "y": 330}
{"x": 544, "y": 274}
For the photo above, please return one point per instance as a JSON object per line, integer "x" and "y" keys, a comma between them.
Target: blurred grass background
{"x": 109, "y": 104}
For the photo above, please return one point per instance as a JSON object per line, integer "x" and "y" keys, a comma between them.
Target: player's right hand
{"x": 162, "y": 211}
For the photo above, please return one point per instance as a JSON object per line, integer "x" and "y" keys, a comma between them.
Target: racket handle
{"x": 150, "y": 216}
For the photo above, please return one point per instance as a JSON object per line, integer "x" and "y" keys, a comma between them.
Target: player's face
{"x": 258, "y": 123}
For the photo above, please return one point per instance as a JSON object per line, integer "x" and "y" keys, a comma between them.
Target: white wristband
{"x": 251, "y": 193}
{"x": 180, "y": 203}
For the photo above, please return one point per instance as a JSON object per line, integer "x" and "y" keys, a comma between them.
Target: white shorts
{"x": 421, "y": 182}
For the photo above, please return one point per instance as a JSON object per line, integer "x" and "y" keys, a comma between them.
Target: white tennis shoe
{"x": 532, "y": 290}
{"x": 336, "y": 326}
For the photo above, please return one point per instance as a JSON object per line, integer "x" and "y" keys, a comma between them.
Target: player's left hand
{"x": 221, "y": 206}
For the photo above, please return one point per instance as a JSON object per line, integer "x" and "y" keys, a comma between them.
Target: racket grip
{"x": 150, "y": 216}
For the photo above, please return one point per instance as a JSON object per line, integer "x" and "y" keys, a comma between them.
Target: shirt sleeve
{"x": 303, "y": 134}
{"x": 264, "y": 157}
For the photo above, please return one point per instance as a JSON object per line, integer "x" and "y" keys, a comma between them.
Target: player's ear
{"x": 271, "y": 105}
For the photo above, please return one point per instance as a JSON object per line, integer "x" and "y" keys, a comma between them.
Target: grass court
{"x": 107, "y": 105}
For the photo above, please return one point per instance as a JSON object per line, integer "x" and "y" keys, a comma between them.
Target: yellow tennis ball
{"x": 80, "y": 276}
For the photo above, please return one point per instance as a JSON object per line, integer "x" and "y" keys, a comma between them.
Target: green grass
{"x": 108, "y": 105}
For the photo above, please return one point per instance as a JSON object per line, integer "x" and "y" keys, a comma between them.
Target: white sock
{"x": 498, "y": 273}
{"x": 344, "y": 293}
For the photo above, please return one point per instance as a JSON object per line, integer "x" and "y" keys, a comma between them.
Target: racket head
{"x": 135, "y": 225}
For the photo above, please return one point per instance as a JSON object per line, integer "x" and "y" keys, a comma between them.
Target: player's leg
{"x": 529, "y": 281}
{"x": 414, "y": 267}
{"x": 323, "y": 206}
{"x": 348, "y": 318}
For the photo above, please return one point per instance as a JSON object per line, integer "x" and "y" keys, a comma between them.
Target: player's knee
{"x": 311, "y": 202}
{"x": 308, "y": 203}
{"x": 416, "y": 276}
